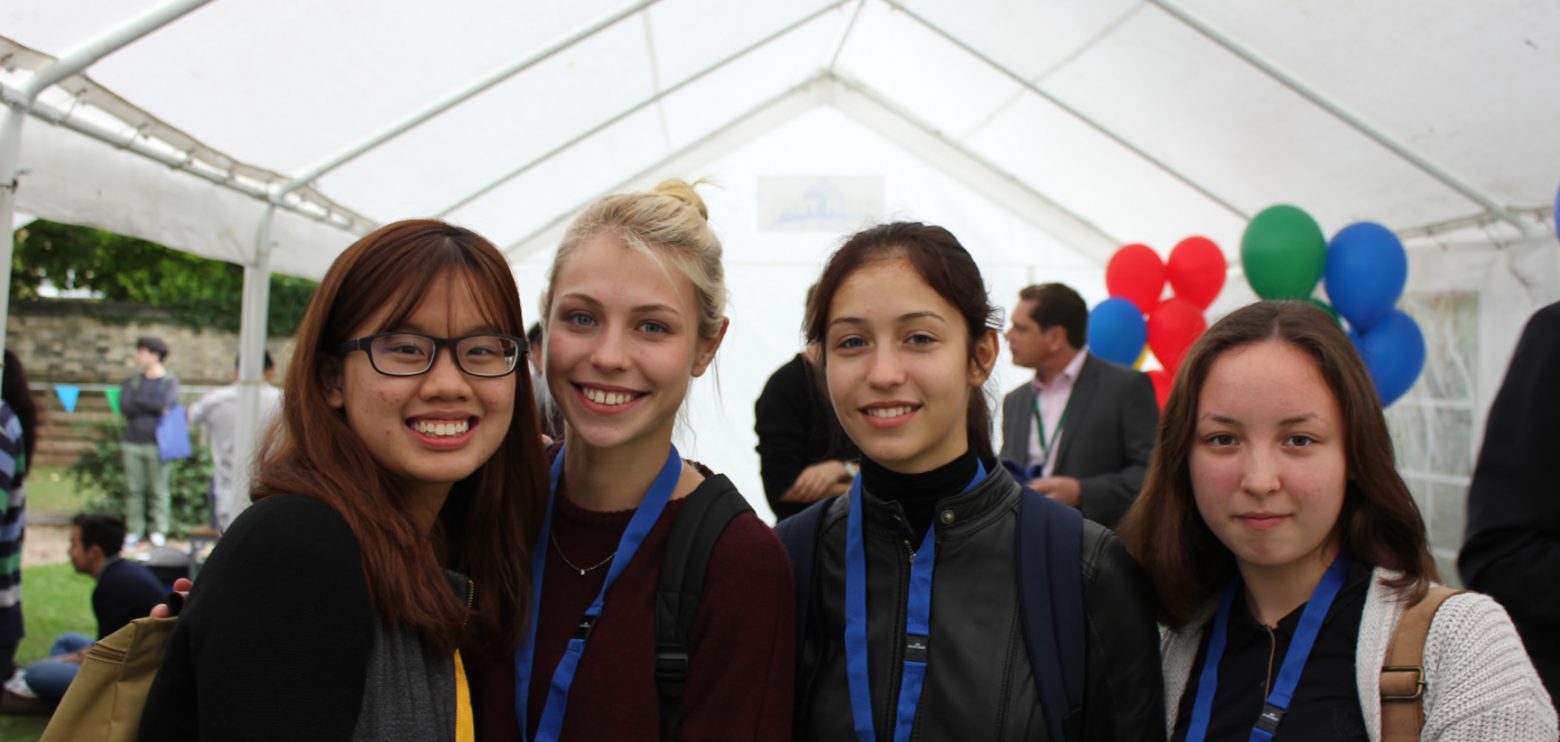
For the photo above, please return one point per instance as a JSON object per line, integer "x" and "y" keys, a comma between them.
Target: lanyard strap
{"x": 1045, "y": 445}
{"x": 917, "y": 621}
{"x": 645, "y": 516}
{"x": 1294, "y": 659}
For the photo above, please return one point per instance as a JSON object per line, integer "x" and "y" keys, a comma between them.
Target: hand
{"x": 1064, "y": 490}
{"x": 182, "y": 587}
{"x": 816, "y": 482}
{"x": 75, "y": 658}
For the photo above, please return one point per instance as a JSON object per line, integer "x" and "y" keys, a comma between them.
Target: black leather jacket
{"x": 979, "y": 685}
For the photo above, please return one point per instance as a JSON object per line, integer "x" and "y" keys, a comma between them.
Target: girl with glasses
{"x": 633, "y": 312}
{"x": 913, "y": 626}
{"x": 392, "y": 518}
{"x": 1286, "y": 548}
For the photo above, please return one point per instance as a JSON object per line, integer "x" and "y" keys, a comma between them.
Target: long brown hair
{"x": 938, "y": 258}
{"x": 1379, "y": 523}
{"x": 485, "y": 528}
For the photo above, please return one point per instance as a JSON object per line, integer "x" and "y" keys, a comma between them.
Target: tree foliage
{"x": 196, "y": 291}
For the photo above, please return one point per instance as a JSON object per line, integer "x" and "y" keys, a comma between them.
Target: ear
{"x": 708, "y": 346}
{"x": 984, "y": 359}
{"x": 330, "y": 377}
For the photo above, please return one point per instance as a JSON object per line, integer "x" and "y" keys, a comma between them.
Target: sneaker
{"x": 158, "y": 540}
{"x": 17, "y": 685}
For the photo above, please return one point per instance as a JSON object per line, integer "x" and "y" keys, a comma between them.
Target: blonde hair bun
{"x": 683, "y": 191}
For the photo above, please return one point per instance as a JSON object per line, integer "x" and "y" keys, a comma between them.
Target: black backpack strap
{"x": 1050, "y": 588}
{"x": 799, "y": 534}
{"x": 700, "y": 523}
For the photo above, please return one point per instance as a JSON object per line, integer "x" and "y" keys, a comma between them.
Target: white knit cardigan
{"x": 1480, "y": 685}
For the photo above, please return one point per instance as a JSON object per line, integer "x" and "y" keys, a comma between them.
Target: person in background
{"x": 18, "y": 441}
{"x": 1512, "y": 548}
{"x": 144, "y": 398}
{"x": 803, "y": 454}
{"x": 1082, "y": 430}
{"x": 217, "y": 412}
{"x": 125, "y": 591}
{"x": 1285, "y": 549}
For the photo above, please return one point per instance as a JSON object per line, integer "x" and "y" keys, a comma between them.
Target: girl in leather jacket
{"x": 913, "y": 628}
{"x": 1285, "y": 549}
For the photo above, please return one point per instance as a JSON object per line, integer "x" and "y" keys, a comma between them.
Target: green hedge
{"x": 101, "y": 470}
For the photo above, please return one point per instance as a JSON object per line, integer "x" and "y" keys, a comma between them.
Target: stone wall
{"x": 89, "y": 342}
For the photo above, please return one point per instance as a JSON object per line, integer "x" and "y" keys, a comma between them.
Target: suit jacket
{"x": 1106, "y": 441}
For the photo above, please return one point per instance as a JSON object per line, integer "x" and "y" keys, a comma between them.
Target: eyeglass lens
{"x": 478, "y": 355}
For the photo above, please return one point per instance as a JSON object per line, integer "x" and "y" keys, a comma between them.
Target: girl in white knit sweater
{"x": 1285, "y": 547}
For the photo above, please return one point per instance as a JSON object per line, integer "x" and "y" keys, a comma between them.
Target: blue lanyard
{"x": 1288, "y": 673}
{"x": 639, "y": 526}
{"x": 917, "y": 622}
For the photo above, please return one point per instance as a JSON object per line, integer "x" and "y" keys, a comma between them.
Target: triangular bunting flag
{"x": 67, "y": 394}
{"x": 113, "y": 398}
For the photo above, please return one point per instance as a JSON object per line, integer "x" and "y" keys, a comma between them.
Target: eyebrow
{"x": 641, "y": 309}
{"x": 901, "y": 319}
{"x": 1291, "y": 420}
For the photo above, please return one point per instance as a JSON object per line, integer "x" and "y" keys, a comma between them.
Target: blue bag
{"x": 173, "y": 435}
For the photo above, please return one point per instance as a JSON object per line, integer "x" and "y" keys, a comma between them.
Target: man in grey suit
{"x": 1082, "y": 430}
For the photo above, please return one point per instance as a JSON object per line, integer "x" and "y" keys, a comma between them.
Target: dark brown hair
{"x": 485, "y": 529}
{"x": 1379, "y": 523}
{"x": 944, "y": 265}
{"x": 1058, "y": 304}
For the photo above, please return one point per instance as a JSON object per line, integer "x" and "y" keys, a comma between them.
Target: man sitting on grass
{"x": 125, "y": 590}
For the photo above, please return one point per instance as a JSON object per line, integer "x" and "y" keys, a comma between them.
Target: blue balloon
{"x": 1366, "y": 271}
{"x": 1117, "y": 331}
{"x": 1394, "y": 352}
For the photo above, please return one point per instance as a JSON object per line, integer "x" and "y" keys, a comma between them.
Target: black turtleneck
{"x": 918, "y": 494}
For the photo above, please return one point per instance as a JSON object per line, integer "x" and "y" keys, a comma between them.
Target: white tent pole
{"x": 13, "y": 113}
{"x": 631, "y": 110}
{"x": 1353, "y": 120}
{"x": 1087, "y": 120}
{"x": 457, "y": 97}
{"x": 839, "y": 48}
{"x": 251, "y": 362}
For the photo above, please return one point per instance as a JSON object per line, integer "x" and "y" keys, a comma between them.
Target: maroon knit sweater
{"x": 742, "y": 657}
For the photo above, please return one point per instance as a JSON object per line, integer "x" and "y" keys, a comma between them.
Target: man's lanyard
{"x": 639, "y": 526}
{"x": 917, "y": 621}
{"x": 1294, "y": 659}
{"x": 1056, "y": 434}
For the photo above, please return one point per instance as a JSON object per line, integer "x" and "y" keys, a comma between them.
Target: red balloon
{"x": 1162, "y": 380}
{"x": 1196, "y": 270}
{"x": 1172, "y": 327}
{"x": 1136, "y": 273}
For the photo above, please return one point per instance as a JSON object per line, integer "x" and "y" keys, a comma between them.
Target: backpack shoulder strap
{"x": 1050, "y": 588}
{"x": 799, "y": 535}
{"x": 700, "y": 523}
{"x": 1403, "y": 673}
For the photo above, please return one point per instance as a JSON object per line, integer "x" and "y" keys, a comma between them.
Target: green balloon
{"x": 1328, "y": 308}
{"x": 1284, "y": 253}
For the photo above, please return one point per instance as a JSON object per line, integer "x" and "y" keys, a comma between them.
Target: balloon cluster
{"x": 1137, "y": 312}
{"x": 1364, "y": 270}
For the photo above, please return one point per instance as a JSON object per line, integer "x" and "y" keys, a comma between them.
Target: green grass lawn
{"x": 50, "y": 489}
{"x": 54, "y": 600}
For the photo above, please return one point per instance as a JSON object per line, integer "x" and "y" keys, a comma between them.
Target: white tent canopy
{"x": 1045, "y": 134}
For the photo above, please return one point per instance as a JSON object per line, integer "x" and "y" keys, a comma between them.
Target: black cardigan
{"x": 278, "y": 633}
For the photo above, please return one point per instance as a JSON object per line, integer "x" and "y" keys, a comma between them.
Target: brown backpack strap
{"x": 1403, "y": 674}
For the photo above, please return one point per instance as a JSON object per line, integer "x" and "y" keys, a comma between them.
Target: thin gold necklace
{"x": 576, "y": 567}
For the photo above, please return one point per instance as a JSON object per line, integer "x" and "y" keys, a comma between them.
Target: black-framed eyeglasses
{"x": 412, "y": 353}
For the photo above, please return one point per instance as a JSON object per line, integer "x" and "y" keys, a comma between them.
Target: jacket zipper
{"x": 902, "y": 615}
{"x": 471, "y": 597}
{"x": 1267, "y": 680}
